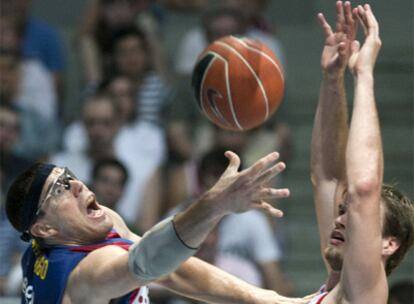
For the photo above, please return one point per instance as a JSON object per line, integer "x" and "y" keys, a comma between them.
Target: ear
{"x": 42, "y": 230}
{"x": 390, "y": 245}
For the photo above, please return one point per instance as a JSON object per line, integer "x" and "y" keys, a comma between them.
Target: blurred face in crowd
{"x": 123, "y": 93}
{"x": 100, "y": 121}
{"x": 130, "y": 57}
{"x": 223, "y": 25}
{"x": 108, "y": 185}
{"x": 9, "y": 76}
{"x": 9, "y": 129}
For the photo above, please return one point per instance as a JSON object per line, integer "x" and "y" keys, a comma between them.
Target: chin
{"x": 100, "y": 231}
{"x": 334, "y": 257}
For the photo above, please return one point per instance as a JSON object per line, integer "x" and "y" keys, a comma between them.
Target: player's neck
{"x": 332, "y": 280}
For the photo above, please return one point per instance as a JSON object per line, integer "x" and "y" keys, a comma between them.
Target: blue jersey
{"x": 47, "y": 270}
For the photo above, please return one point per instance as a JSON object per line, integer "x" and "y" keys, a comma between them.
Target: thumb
{"x": 342, "y": 51}
{"x": 234, "y": 161}
{"x": 355, "y": 46}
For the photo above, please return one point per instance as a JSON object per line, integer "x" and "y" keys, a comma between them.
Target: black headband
{"x": 31, "y": 203}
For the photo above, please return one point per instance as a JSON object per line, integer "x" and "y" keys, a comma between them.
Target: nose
{"x": 76, "y": 187}
{"x": 340, "y": 221}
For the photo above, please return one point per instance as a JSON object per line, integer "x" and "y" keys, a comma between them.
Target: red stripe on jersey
{"x": 321, "y": 298}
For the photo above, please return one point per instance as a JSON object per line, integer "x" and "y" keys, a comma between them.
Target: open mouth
{"x": 337, "y": 237}
{"x": 92, "y": 207}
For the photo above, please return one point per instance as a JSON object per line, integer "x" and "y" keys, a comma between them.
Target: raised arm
{"x": 110, "y": 272}
{"x": 363, "y": 275}
{"x": 330, "y": 130}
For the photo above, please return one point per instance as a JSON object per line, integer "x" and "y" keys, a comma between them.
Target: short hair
{"x": 110, "y": 162}
{"x": 126, "y": 32}
{"x": 16, "y": 196}
{"x": 398, "y": 222}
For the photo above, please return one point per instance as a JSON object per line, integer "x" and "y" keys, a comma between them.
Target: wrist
{"x": 337, "y": 76}
{"x": 364, "y": 74}
{"x": 214, "y": 206}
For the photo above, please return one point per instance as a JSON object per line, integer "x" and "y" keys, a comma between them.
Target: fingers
{"x": 367, "y": 19}
{"x": 271, "y": 193}
{"x": 261, "y": 164}
{"x": 325, "y": 25}
{"x": 351, "y": 25}
{"x": 340, "y": 17}
{"x": 372, "y": 21}
{"x": 269, "y": 209}
{"x": 234, "y": 162}
{"x": 266, "y": 176}
{"x": 355, "y": 46}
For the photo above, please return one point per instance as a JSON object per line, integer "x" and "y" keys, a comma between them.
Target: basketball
{"x": 238, "y": 83}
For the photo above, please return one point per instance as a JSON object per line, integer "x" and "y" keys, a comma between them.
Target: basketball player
{"x": 374, "y": 224}
{"x": 81, "y": 251}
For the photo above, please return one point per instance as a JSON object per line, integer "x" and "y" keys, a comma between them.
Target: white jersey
{"x": 318, "y": 299}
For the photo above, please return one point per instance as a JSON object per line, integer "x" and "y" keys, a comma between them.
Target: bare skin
{"x": 347, "y": 164}
{"x": 75, "y": 218}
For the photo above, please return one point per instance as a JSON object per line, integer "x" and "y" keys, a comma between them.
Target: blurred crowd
{"x": 138, "y": 139}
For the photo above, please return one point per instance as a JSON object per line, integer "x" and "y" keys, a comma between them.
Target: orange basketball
{"x": 238, "y": 83}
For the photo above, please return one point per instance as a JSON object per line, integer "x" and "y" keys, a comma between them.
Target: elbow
{"x": 364, "y": 186}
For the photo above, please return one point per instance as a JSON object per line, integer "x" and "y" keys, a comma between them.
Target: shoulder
{"x": 87, "y": 275}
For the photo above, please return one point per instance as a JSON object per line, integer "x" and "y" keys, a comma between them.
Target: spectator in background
{"x": 38, "y": 135}
{"x": 102, "y": 20}
{"x": 100, "y": 121}
{"x": 11, "y": 165}
{"x": 121, "y": 91}
{"x": 132, "y": 59}
{"x": 40, "y": 40}
{"x": 37, "y": 91}
{"x": 137, "y": 145}
{"x": 109, "y": 177}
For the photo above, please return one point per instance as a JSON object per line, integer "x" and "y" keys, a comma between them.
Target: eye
{"x": 57, "y": 190}
{"x": 341, "y": 209}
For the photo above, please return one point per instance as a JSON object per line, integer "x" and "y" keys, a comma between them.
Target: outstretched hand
{"x": 237, "y": 192}
{"x": 337, "y": 51}
{"x": 363, "y": 58}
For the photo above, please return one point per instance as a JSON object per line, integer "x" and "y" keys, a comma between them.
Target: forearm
{"x": 202, "y": 281}
{"x": 364, "y": 151}
{"x": 195, "y": 223}
{"x": 330, "y": 130}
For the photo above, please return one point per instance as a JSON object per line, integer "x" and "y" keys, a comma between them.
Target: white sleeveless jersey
{"x": 318, "y": 299}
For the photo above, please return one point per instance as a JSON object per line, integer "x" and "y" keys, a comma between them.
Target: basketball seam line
{"x": 253, "y": 72}
{"x": 230, "y": 100}
{"x": 264, "y": 54}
